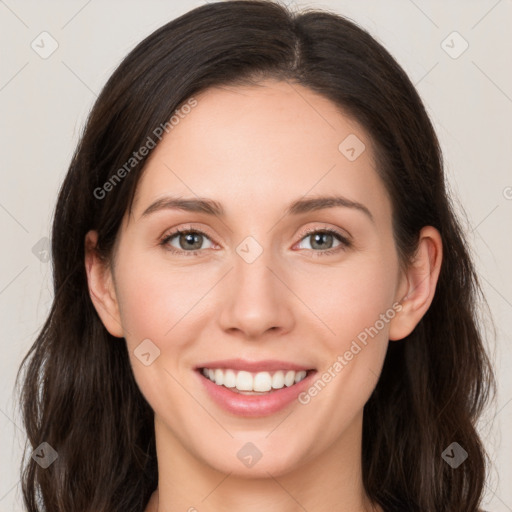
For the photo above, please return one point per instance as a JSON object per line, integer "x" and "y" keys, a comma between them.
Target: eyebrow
{"x": 211, "y": 207}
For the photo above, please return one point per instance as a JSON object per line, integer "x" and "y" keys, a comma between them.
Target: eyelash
{"x": 345, "y": 243}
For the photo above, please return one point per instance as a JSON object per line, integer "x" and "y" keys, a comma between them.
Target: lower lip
{"x": 254, "y": 405}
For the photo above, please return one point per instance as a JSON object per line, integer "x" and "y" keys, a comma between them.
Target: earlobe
{"x": 101, "y": 287}
{"x": 419, "y": 284}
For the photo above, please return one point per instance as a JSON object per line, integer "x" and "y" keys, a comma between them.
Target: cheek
{"x": 353, "y": 297}
{"x": 155, "y": 302}
{"x": 357, "y": 306}
{"x": 154, "y": 297}
{"x": 357, "y": 309}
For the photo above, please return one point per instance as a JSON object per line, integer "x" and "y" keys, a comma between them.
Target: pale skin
{"x": 256, "y": 149}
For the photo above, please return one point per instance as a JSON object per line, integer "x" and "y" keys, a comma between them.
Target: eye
{"x": 188, "y": 241}
{"x": 322, "y": 241}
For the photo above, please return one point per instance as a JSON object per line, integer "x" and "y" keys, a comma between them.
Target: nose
{"x": 256, "y": 299}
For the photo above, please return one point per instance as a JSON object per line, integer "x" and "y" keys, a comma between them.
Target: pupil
{"x": 189, "y": 239}
{"x": 318, "y": 238}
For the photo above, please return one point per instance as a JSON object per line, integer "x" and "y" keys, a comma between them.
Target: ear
{"x": 418, "y": 284}
{"x": 101, "y": 286}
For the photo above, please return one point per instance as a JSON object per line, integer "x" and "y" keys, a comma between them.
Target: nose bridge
{"x": 256, "y": 299}
{"x": 252, "y": 273}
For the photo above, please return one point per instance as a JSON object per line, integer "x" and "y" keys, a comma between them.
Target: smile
{"x": 252, "y": 382}
{"x": 253, "y": 389}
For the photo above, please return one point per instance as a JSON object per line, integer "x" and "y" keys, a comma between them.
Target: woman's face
{"x": 262, "y": 281}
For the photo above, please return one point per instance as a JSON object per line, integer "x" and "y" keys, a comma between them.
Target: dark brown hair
{"x": 79, "y": 394}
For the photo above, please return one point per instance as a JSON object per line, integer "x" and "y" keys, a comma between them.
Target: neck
{"x": 329, "y": 482}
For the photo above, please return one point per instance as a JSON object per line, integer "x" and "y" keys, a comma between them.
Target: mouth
{"x": 254, "y": 383}
{"x": 254, "y": 393}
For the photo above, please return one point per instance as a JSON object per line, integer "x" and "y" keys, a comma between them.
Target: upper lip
{"x": 266, "y": 365}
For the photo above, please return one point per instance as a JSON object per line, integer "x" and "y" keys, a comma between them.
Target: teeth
{"x": 229, "y": 378}
{"x": 219, "y": 376}
{"x": 259, "y": 382}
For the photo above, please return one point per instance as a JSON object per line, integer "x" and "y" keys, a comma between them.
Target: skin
{"x": 264, "y": 145}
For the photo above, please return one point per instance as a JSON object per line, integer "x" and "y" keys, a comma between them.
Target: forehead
{"x": 264, "y": 144}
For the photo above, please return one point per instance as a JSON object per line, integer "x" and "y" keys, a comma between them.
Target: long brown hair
{"x": 78, "y": 392}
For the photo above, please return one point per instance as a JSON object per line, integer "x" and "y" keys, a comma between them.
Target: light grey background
{"x": 44, "y": 103}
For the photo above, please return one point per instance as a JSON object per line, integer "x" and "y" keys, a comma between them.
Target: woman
{"x": 263, "y": 298}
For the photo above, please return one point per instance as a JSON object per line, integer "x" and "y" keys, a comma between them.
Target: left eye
{"x": 322, "y": 237}
{"x": 323, "y": 240}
